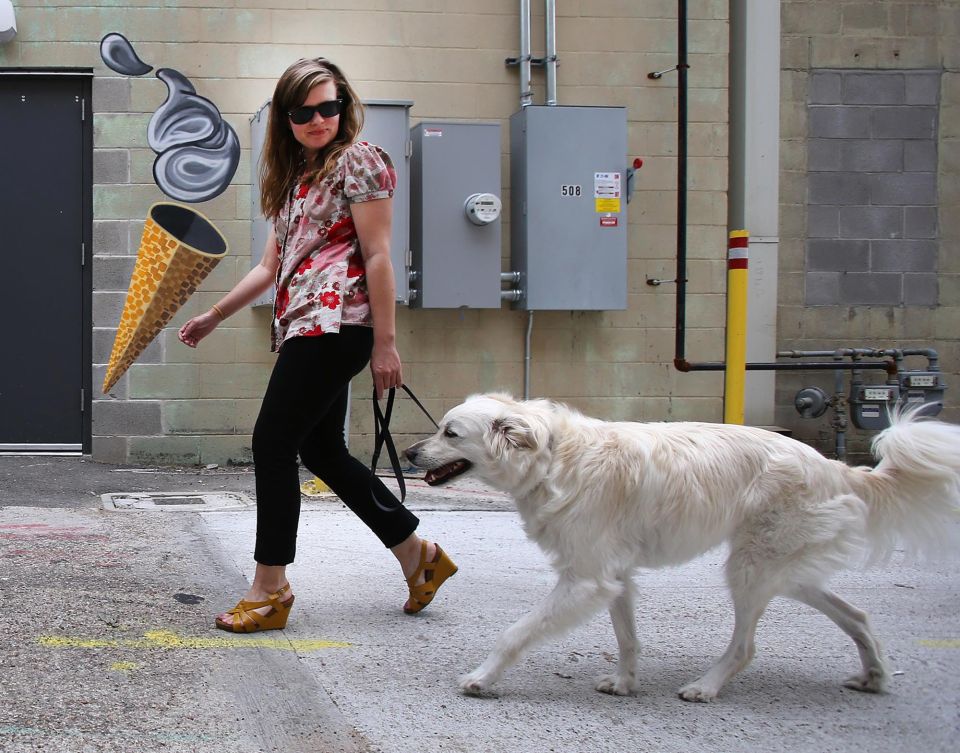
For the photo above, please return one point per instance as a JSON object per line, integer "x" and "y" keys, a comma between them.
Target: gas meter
{"x": 922, "y": 387}
{"x": 871, "y": 404}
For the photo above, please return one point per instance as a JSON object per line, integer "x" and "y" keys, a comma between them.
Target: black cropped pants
{"x": 302, "y": 414}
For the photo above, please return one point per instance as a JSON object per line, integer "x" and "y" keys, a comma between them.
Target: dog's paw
{"x": 697, "y": 693}
{"x": 615, "y": 685}
{"x": 874, "y": 681}
{"x": 474, "y": 683}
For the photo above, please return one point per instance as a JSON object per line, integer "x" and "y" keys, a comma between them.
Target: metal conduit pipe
{"x": 550, "y": 61}
{"x": 526, "y": 93}
{"x": 526, "y": 357}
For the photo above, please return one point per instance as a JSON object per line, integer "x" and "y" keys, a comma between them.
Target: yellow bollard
{"x": 736, "y": 352}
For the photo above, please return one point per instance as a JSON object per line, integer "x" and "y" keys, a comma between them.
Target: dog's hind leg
{"x": 571, "y": 602}
{"x": 754, "y": 580}
{"x": 854, "y": 623}
{"x": 625, "y": 628}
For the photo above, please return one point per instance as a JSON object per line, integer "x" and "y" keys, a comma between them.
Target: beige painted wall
{"x": 180, "y": 405}
{"x": 880, "y": 34}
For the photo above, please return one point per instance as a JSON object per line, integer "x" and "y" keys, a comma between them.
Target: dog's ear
{"x": 513, "y": 432}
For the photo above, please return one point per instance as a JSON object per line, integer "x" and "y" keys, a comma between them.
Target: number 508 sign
{"x": 570, "y": 190}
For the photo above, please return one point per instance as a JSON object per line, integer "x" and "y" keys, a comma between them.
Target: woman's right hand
{"x": 198, "y": 328}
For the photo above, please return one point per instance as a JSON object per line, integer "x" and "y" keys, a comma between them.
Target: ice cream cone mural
{"x": 179, "y": 248}
{"x": 197, "y": 156}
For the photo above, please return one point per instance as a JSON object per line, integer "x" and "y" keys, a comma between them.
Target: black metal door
{"x": 44, "y": 309}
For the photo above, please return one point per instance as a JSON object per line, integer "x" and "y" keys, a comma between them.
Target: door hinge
{"x": 408, "y": 149}
{"x": 83, "y": 253}
{"x": 83, "y": 108}
{"x": 83, "y": 400}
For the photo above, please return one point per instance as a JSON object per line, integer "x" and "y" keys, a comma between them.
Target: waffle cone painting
{"x": 179, "y": 248}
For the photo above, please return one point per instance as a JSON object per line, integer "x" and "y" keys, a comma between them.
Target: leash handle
{"x": 382, "y": 438}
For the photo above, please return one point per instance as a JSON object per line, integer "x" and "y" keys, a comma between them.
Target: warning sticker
{"x": 606, "y": 185}
{"x": 606, "y": 192}
{"x": 432, "y": 132}
{"x": 606, "y": 205}
{"x": 608, "y": 222}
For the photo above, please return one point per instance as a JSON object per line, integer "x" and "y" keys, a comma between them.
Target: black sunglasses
{"x": 304, "y": 114}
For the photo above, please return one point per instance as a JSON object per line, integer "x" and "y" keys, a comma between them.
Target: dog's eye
{"x": 448, "y": 432}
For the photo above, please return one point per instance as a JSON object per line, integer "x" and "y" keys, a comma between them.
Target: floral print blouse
{"x": 321, "y": 279}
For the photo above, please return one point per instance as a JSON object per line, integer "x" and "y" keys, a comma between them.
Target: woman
{"x": 328, "y": 253}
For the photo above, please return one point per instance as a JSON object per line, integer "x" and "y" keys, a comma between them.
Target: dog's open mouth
{"x": 446, "y": 472}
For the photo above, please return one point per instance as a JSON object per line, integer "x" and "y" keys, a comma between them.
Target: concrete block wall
{"x": 870, "y": 233}
{"x": 178, "y": 405}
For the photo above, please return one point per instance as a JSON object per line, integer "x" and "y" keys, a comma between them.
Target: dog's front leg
{"x": 625, "y": 628}
{"x": 571, "y": 602}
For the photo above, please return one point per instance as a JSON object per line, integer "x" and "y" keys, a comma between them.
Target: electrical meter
{"x": 925, "y": 387}
{"x": 482, "y": 208}
{"x": 871, "y": 404}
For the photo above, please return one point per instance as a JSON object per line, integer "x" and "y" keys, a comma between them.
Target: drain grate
{"x": 175, "y": 501}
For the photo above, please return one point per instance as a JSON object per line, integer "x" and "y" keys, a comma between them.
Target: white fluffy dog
{"x": 602, "y": 499}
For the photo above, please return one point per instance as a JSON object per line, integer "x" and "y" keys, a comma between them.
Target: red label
{"x": 608, "y": 222}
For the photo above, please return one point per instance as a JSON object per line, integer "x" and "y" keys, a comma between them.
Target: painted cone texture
{"x": 166, "y": 274}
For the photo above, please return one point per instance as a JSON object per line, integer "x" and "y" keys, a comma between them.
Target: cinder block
{"x": 103, "y": 338}
{"x": 164, "y": 380}
{"x": 913, "y": 122}
{"x": 107, "y": 308}
{"x": 903, "y": 256}
{"x": 871, "y": 222}
{"x": 873, "y": 88}
{"x": 822, "y": 288}
{"x": 920, "y": 222}
{"x": 109, "y": 449}
{"x": 112, "y": 273}
{"x": 164, "y": 450}
{"x": 114, "y": 418}
{"x": 871, "y": 288}
{"x": 863, "y": 18}
{"x": 224, "y": 449}
{"x": 920, "y": 156}
{"x": 838, "y": 256}
{"x": 842, "y": 188}
{"x": 871, "y": 155}
{"x": 922, "y": 87}
{"x": 111, "y": 94}
{"x": 920, "y": 290}
{"x": 823, "y": 155}
{"x": 903, "y": 189}
{"x": 831, "y": 121}
{"x": 110, "y": 237}
{"x": 823, "y": 221}
{"x": 825, "y": 88}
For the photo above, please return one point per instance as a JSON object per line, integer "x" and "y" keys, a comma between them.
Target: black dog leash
{"x": 382, "y": 438}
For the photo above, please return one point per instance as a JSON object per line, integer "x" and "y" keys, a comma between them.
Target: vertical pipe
{"x": 526, "y": 357}
{"x": 736, "y": 349}
{"x": 526, "y": 95}
{"x": 550, "y": 19}
{"x": 681, "y": 183}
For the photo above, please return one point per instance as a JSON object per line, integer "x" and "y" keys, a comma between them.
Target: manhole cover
{"x": 175, "y": 501}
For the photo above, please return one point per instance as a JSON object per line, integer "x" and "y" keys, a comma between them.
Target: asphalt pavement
{"x": 110, "y": 577}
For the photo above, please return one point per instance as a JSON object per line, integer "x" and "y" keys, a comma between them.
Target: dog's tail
{"x": 913, "y": 494}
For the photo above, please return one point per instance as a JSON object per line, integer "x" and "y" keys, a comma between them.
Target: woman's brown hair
{"x": 281, "y": 164}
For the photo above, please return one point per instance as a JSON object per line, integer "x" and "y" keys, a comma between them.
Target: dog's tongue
{"x": 445, "y": 472}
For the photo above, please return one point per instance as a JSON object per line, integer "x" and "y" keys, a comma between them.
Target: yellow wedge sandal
{"x": 246, "y": 620}
{"x": 435, "y": 573}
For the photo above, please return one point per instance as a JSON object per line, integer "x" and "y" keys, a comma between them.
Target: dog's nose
{"x": 412, "y": 451}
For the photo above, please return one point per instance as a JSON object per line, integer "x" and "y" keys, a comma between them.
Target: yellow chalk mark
{"x": 124, "y": 666}
{"x": 167, "y": 639}
{"x": 941, "y": 643}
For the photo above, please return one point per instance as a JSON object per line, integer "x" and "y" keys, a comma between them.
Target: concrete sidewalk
{"x": 110, "y": 645}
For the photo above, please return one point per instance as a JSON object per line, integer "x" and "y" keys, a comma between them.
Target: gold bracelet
{"x": 216, "y": 308}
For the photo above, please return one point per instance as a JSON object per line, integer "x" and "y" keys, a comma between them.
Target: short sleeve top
{"x": 321, "y": 278}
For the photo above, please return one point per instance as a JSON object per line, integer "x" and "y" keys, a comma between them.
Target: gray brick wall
{"x": 872, "y": 188}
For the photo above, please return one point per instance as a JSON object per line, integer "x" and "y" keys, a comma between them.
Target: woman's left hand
{"x": 385, "y": 367}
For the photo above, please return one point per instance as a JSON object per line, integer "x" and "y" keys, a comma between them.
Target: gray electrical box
{"x": 387, "y": 124}
{"x": 455, "y": 215}
{"x": 568, "y": 207}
